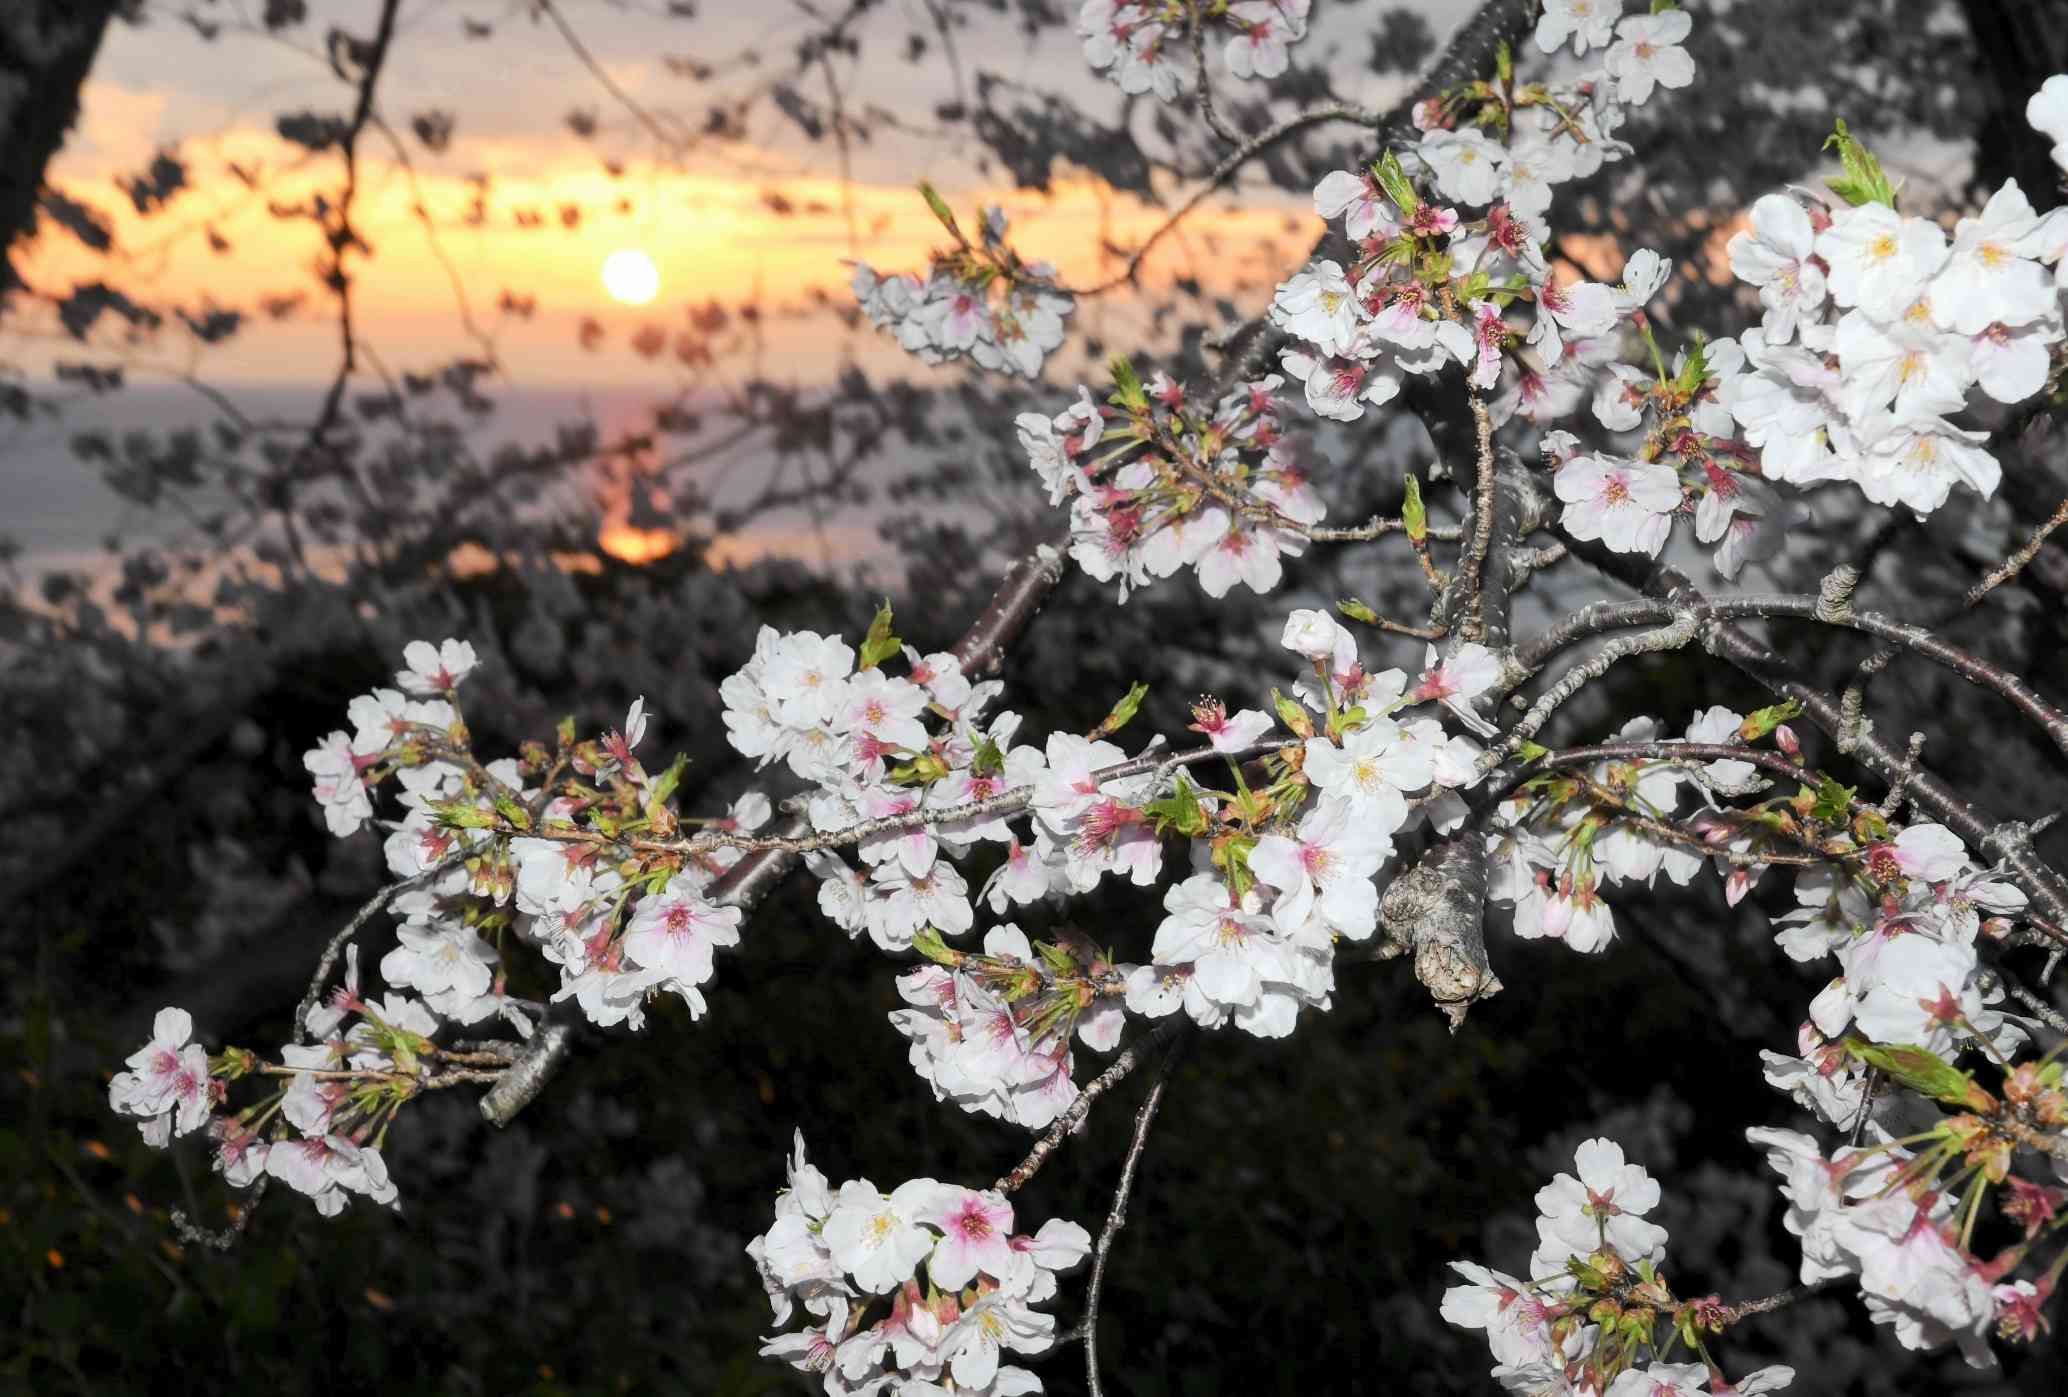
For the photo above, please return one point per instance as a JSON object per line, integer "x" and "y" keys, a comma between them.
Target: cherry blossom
{"x": 1647, "y": 53}
{"x": 1775, "y": 255}
{"x": 1603, "y": 1206}
{"x": 1628, "y": 505}
{"x": 435, "y": 669}
{"x": 1588, "y": 23}
{"x": 1324, "y": 873}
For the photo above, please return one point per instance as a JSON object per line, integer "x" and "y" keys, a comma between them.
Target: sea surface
{"x": 58, "y": 512}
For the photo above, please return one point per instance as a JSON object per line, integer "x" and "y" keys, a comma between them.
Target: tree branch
{"x": 1117, "y": 1218}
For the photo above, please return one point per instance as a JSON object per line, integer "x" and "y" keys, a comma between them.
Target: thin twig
{"x": 1681, "y": 632}
{"x": 1072, "y": 1119}
{"x": 1206, "y": 92}
{"x": 1220, "y": 174}
{"x": 1745, "y": 1309}
{"x": 1117, "y": 1218}
{"x": 2040, "y": 1009}
{"x": 328, "y": 960}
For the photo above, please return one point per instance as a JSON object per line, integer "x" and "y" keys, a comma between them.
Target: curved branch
{"x": 2009, "y": 843}
{"x": 1606, "y": 616}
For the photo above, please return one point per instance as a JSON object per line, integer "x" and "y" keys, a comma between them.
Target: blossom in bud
{"x": 1311, "y": 634}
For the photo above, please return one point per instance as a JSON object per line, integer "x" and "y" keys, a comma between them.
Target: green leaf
{"x": 1127, "y": 385}
{"x": 1179, "y": 811}
{"x": 922, "y": 770}
{"x": 461, "y": 814}
{"x": 988, "y": 761}
{"x": 1357, "y": 611}
{"x": 1530, "y": 751}
{"x": 1660, "y": 7}
{"x": 1695, "y": 370}
{"x": 940, "y": 209}
{"x": 1233, "y": 858}
{"x": 1122, "y": 712}
{"x": 665, "y": 785}
{"x": 1055, "y": 957}
{"x": 507, "y": 806}
{"x": 1765, "y": 720}
{"x": 1863, "y": 181}
{"x": 929, "y": 944}
{"x": 1504, "y": 62}
{"x": 1413, "y": 513}
{"x": 1392, "y": 178}
{"x": 1917, "y": 1068}
{"x": 1834, "y": 802}
{"x": 880, "y": 643}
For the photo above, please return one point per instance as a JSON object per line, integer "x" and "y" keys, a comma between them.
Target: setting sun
{"x": 630, "y": 276}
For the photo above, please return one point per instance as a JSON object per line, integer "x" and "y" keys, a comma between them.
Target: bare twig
{"x": 1745, "y": 1309}
{"x": 1680, "y": 632}
{"x": 1072, "y": 1119}
{"x": 1117, "y": 1218}
{"x": 1221, "y": 173}
{"x": 1206, "y": 92}
{"x": 327, "y": 962}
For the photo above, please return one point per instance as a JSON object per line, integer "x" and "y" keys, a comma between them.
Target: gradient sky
{"x": 704, "y": 219}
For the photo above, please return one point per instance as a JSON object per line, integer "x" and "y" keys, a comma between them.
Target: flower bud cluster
{"x": 1878, "y": 1214}
{"x": 992, "y": 1032}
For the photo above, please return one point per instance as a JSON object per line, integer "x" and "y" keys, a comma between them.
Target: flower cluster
{"x": 1876, "y": 330}
{"x": 1901, "y": 915}
{"x": 1598, "y": 1317}
{"x": 992, "y": 1032}
{"x": 861, "y": 737}
{"x": 1284, "y": 862}
{"x": 978, "y": 300}
{"x": 320, "y": 1130}
{"x": 396, "y": 732}
{"x": 926, "y": 1287}
{"x": 1875, "y": 1213}
{"x": 1144, "y": 45}
{"x": 1564, "y": 836}
{"x": 1431, "y": 287}
{"x": 1155, "y": 483}
{"x": 560, "y": 864}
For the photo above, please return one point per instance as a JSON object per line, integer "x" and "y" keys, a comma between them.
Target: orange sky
{"x": 711, "y": 233}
